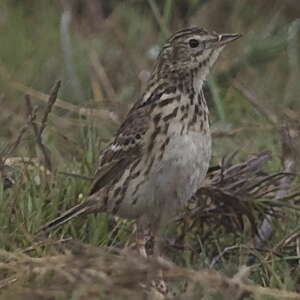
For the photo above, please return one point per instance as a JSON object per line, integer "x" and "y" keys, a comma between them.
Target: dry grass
{"x": 248, "y": 209}
{"x": 82, "y": 271}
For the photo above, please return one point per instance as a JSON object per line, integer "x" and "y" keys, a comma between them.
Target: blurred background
{"x": 103, "y": 51}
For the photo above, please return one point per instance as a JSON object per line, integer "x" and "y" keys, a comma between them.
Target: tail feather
{"x": 78, "y": 210}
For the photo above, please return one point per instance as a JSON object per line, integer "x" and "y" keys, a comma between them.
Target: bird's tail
{"x": 86, "y": 207}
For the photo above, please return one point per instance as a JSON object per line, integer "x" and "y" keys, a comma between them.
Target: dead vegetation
{"x": 247, "y": 213}
{"x": 234, "y": 196}
{"x": 83, "y": 272}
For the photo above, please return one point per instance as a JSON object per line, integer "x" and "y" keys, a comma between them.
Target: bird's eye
{"x": 193, "y": 43}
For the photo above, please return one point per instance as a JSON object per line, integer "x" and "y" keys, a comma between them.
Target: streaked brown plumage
{"x": 161, "y": 152}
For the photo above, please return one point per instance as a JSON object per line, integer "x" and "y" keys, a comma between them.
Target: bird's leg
{"x": 157, "y": 233}
{"x": 157, "y": 245}
{"x": 141, "y": 235}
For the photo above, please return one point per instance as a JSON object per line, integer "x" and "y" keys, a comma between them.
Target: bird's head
{"x": 192, "y": 49}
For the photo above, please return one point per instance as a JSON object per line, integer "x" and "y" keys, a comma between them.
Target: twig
{"x": 221, "y": 254}
{"x": 10, "y": 280}
{"x": 76, "y": 175}
{"x": 17, "y": 142}
{"x": 252, "y": 98}
{"x": 42, "y": 243}
{"x": 158, "y": 17}
{"x": 7, "y": 281}
{"x": 122, "y": 37}
{"x": 11, "y": 148}
{"x": 220, "y": 133}
{"x": 31, "y": 112}
{"x": 289, "y": 166}
{"x": 102, "y": 75}
{"x": 38, "y": 131}
{"x": 283, "y": 243}
{"x": 50, "y": 104}
{"x": 41, "y": 146}
{"x": 81, "y": 111}
{"x": 217, "y": 281}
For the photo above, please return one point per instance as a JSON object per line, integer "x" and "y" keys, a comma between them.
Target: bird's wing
{"x": 130, "y": 139}
{"x": 126, "y": 148}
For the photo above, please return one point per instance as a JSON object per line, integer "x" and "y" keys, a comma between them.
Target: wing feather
{"x": 124, "y": 150}
{"x": 128, "y": 145}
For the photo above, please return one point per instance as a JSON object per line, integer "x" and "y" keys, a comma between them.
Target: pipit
{"x": 161, "y": 152}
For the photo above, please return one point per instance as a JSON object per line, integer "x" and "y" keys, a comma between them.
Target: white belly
{"x": 173, "y": 180}
{"x": 182, "y": 171}
{"x": 185, "y": 164}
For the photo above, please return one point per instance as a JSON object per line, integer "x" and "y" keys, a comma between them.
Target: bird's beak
{"x": 222, "y": 39}
{"x": 226, "y": 38}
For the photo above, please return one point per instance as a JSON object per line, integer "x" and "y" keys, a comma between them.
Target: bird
{"x": 160, "y": 154}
